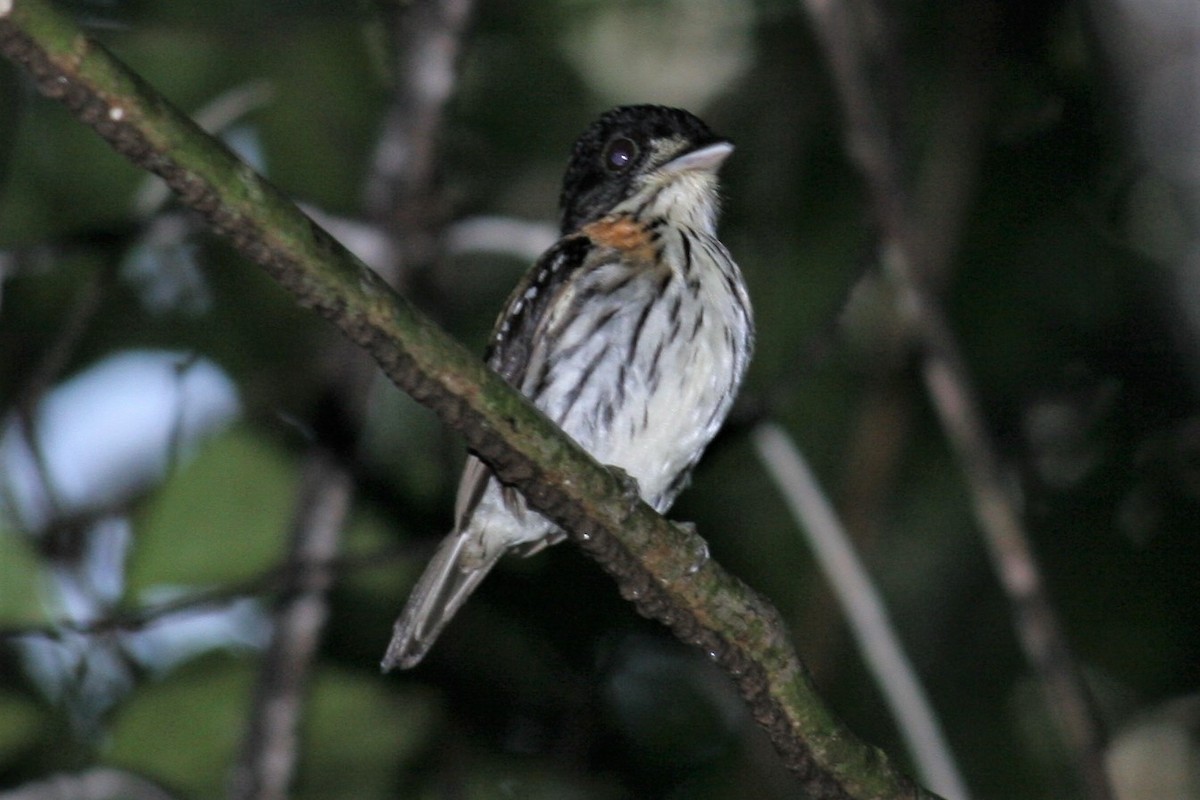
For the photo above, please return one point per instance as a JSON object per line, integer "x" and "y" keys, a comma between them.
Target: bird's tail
{"x": 436, "y": 598}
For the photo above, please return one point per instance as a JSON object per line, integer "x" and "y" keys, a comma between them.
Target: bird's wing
{"x": 516, "y": 329}
{"x": 511, "y": 347}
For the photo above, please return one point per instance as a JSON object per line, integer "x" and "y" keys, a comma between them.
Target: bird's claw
{"x": 697, "y": 546}
{"x": 630, "y": 490}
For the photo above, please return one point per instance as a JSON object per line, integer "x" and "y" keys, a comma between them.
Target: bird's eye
{"x": 620, "y": 154}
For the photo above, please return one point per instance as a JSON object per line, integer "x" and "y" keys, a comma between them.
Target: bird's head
{"x": 664, "y": 157}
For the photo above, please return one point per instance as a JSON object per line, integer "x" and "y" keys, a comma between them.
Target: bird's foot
{"x": 630, "y": 489}
{"x": 695, "y": 545}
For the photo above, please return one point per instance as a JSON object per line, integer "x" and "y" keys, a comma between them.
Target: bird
{"x": 633, "y": 333}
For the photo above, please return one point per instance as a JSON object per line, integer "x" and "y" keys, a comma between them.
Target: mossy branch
{"x": 654, "y": 562}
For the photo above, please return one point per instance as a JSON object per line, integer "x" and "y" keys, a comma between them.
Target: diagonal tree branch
{"x": 269, "y": 755}
{"x": 661, "y": 567}
{"x": 402, "y": 191}
{"x": 862, "y": 604}
{"x": 870, "y": 143}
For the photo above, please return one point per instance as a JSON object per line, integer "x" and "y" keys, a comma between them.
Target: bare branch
{"x": 877, "y": 640}
{"x": 269, "y": 581}
{"x": 268, "y": 758}
{"x": 870, "y": 145}
{"x": 44, "y": 373}
{"x": 402, "y": 193}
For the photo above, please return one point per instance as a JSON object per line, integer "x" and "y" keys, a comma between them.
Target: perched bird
{"x": 632, "y": 333}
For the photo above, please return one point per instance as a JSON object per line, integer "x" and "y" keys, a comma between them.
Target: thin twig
{"x": 659, "y": 566}
{"x": 29, "y": 395}
{"x": 877, "y": 641}
{"x": 870, "y": 144}
{"x": 402, "y": 190}
{"x": 946, "y": 181}
{"x": 270, "y": 581}
{"x": 946, "y": 185}
{"x": 269, "y": 755}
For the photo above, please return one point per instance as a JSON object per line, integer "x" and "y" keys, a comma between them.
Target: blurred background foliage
{"x": 173, "y": 390}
